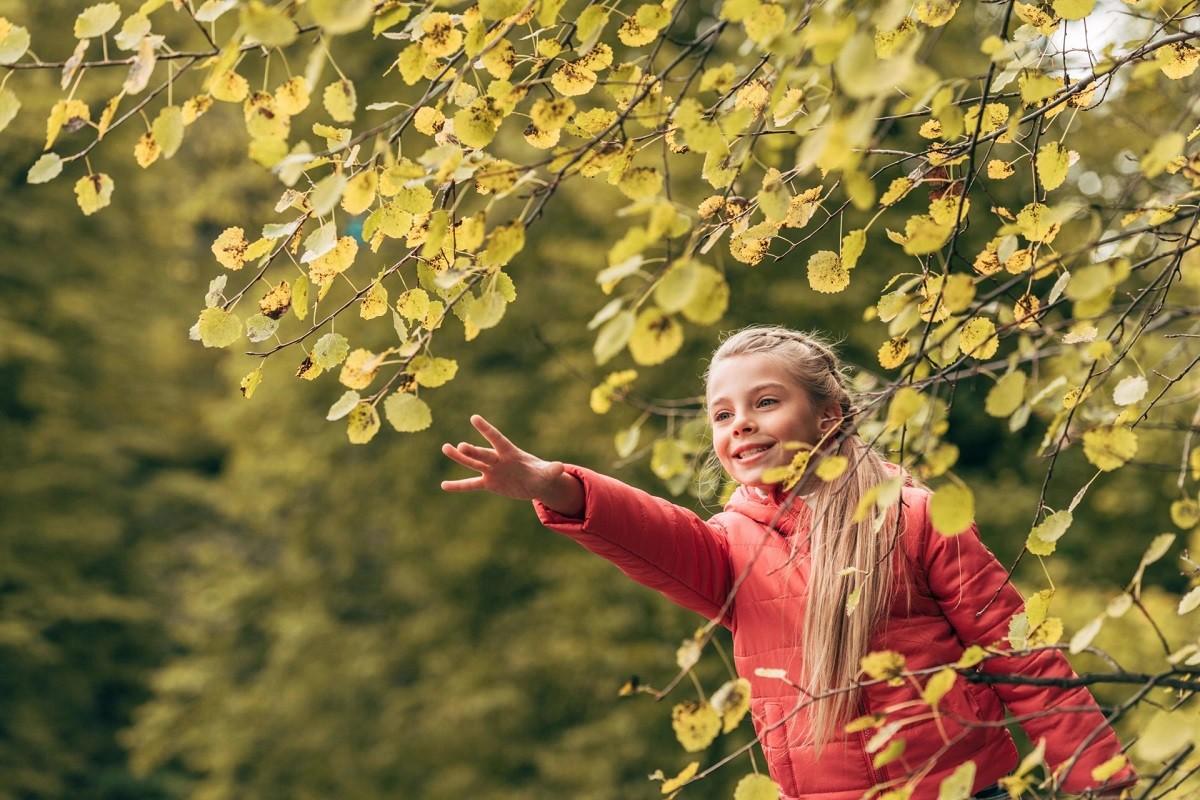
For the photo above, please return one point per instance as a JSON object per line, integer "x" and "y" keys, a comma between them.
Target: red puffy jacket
{"x": 694, "y": 563}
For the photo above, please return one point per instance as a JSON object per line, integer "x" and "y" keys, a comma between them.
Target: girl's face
{"x": 754, "y": 406}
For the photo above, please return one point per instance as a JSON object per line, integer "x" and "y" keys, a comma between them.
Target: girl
{"x": 767, "y": 388}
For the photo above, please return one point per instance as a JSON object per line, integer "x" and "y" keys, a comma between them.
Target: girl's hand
{"x": 504, "y": 468}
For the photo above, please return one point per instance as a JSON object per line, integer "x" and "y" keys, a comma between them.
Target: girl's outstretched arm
{"x": 657, "y": 543}
{"x": 963, "y": 574}
{"x": 507, "y": 470}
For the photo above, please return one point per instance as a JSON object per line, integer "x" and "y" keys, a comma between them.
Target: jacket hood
{"x": 763, "y": 506}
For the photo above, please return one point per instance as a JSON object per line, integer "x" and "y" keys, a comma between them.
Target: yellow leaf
{"x": 765, "y": 22}
{"x": 1102, "y": 772}
{"x": 656, "y": 337}
{"x": 193, "y": 107}
{"x": 952, "y": 509}
{"x": 360, "y": 192}
{"x": 274, "y": 304}
{"x": 1177, "y": 60}
{"x": 229, "y": 87}
{"x": 291, "y": 96}
{"x": 250, "y": 382}
{"x": 1073, "y": 9}
{"x": 1185, "y": 513}
{"x": 853, "y": 245}
{"x": 476, "y": 125}
{"x": 572, "y": 80}
{"x": 1036, "y": 87}
{"x": 695, "y": 724}
{"x": 978, "y": 339}
{"x": 65, "y": 112}
{"x": 146, "y": 150}
{"x": 359, "y": 368}
{"x": 732, "y": 701}
{"x": 832, "y": 467}
{"x": 1052, "y": 165}
{"x": 362, "y": 423}
{"x": 1109, "y": 447}
{"x": 936, "y": 13}
{"x": 756, "y": 787}
{"x": 1036, "y": 223}
{"x": 441, "y": 36}
{"x": 826, "y": 274}
{"x": 883, "y": 665}
{"x": 682, "y": 778}
{"x": 893, "y": 352}
{"x": 428, "y": 120}
{"x": 923, "y": 235}
{"x": 896, "y": 190}
{"x": 374, "y": 302}
{"x": 263, "y": 119}
{"x": 93, "y": 192}
{"x": 413, "y": 304}
{"x": 322, "y": 270}
{"x": 340, "y": 100}
{"x": 999, "y": 170}
{"x": 639, "y": 183}
{"x": 230, "y": 248}
{"x": 1162, "y": 152}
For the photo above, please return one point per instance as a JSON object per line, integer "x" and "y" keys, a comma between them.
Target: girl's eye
{"x": 721, "y": 414}
{"x": 765, "y": 399}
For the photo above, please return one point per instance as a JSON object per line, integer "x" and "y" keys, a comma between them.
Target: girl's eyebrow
{"x": 752, "y": 390}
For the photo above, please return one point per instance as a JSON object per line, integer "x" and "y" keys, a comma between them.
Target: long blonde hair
{"x": 833, "y": 641}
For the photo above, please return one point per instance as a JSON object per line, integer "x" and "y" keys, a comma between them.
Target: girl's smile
{"x": 754, "y": 407}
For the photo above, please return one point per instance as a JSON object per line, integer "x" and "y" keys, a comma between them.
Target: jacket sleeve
{"x": 963, "y": 574}
{"x": 657, "y": 543}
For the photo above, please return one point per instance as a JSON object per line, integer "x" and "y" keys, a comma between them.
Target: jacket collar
{"x": 763, "y": 506}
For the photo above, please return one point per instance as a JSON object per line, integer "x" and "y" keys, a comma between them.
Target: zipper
{"x": 872, "y": 773}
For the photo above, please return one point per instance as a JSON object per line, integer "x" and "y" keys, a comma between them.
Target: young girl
{"x": 767, "y": 388}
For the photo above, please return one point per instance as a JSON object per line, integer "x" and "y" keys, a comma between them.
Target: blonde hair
{"x": 833, "y": 640}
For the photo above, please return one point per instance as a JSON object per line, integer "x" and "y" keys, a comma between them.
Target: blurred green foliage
{"x": 210, "y": 597}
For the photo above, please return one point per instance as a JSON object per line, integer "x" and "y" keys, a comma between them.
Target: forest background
{"x": 211, "y": 596}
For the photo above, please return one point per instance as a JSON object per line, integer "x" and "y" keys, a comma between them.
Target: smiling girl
{"x": 808, "y": 589}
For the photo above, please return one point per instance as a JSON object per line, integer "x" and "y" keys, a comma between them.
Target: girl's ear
{"x": 831, "y": 418}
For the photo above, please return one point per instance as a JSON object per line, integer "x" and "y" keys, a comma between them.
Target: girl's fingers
{"x": 463, "y": 485}
{"x": 491, "y": 433}
{"x": 478, "y": 453}
{"x": 457, "y": 454}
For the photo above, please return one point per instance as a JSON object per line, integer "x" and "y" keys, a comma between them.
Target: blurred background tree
{"x": 209, "y": 596}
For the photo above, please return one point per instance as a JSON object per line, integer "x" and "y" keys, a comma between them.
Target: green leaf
{"x": 952, "y": 509}
{"x": 14, "y": 41}
{"x": 270, "y": 26}
{"x": 45, "y": 169}
{"x": 168, "y": 130}
{"x": 341, "y": 16}
{"x": 406, "y": 412}
{"x": 96, "y": 20}
{"x": 330, "y": 350}
{"x": 344, "y": 405}
{"x": 9, "y": 106}
{"x": 957, "y": 786}
{"x": 613, "y": 336}
{"x": 219, "y": 328}
{"x": 1007, "y": 395}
